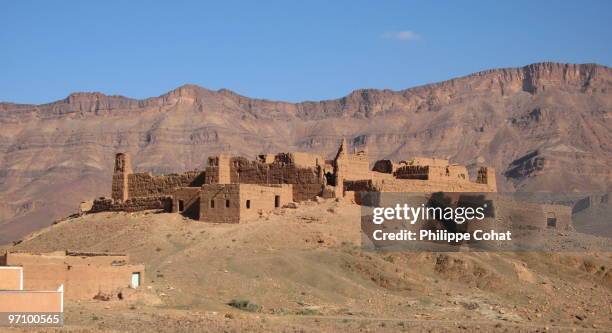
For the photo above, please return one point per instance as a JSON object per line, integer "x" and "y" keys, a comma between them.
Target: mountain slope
{"x": 545, "y": 126}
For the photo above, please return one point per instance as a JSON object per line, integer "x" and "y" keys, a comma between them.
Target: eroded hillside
{"x": 543, "y": 127}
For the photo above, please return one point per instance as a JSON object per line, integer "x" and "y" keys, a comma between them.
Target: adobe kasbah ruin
{"x": 232, "y": 188}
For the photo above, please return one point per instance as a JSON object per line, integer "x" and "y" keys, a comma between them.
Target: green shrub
{"x": 244, "y": 305}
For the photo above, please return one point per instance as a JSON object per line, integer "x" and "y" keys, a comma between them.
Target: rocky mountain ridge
{"x": 587, "y": 78}
{"x": 544, "y": 126}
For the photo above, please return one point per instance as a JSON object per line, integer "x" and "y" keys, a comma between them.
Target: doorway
{"x": 135, "y": 280}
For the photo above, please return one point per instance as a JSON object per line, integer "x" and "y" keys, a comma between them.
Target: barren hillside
{"x": 545, "y": 126}
{"x": 305, "y": 271}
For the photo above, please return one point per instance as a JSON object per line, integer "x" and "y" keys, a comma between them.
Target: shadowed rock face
{"x": 545, "y": 126}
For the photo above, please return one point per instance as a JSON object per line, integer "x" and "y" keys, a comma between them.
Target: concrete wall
{"x": 11, "y": 278}
{"x": 83, "y": 276}
{"x": 31, "y": 301}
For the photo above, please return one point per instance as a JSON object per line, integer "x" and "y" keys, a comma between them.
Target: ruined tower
{"x": 123, "y": 168}
{"x": 218, "y": 170}
{"x": 224, "y": 169}
{"x": 340, "y": 165}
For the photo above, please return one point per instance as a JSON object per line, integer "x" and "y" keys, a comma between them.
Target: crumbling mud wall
{"x": 434, "y": 162}
{"x": 453, "y": 173}
{"x": 384, "y": 166}
{"x": 413, "y": 185}
{"x": 146, "y": 184}
{"x": 286, "y": 168}
{"x": 365, "y": 185}
{"x": 412, "y": 172}
{"x": 351, "y": 166}
{"x": 127, "y": 185}
{"x": 133, "y": 205}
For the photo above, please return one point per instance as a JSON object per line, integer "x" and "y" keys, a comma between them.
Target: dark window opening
{"x": 330, "y": 178}
{"x": 276, "y": 201}
{"x": 248, "y": 204}
{"x": 227, "y": 203}
{"x": 181, "y": 205}
{"x": 551, "y": 220}
{"x": 212, "y": 203}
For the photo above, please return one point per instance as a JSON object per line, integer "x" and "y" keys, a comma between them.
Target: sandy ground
{"x": 306, "y": 272}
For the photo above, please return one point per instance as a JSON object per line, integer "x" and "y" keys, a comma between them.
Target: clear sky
{"x": 282, "y": 50}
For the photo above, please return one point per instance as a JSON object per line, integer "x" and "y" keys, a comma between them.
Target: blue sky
{"x": 282, "y": 50}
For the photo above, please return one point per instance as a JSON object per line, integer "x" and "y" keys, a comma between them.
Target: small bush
{"x": 244, "y": 305}
{"x": 308, "y": 312}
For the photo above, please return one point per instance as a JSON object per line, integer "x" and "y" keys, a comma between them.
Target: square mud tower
{"x": 123, "y": 168}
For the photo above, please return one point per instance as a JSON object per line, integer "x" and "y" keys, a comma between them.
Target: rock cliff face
{"x": 545, "y": 126}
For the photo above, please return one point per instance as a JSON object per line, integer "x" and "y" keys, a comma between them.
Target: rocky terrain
{"x": 545, "y": 126}
{"x": 302, "y": 270}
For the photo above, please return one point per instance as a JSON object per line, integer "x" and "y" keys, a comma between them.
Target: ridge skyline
{"x": 351, "y": 92}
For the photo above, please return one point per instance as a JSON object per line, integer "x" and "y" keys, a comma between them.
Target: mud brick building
{"x": 14, "y": 298}
{"x": 232, "y": 188}
{"x": 83, "y": 275}
{"x": 233, "y": 202}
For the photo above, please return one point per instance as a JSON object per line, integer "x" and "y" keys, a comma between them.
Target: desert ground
{"x": 303, "y": 270}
